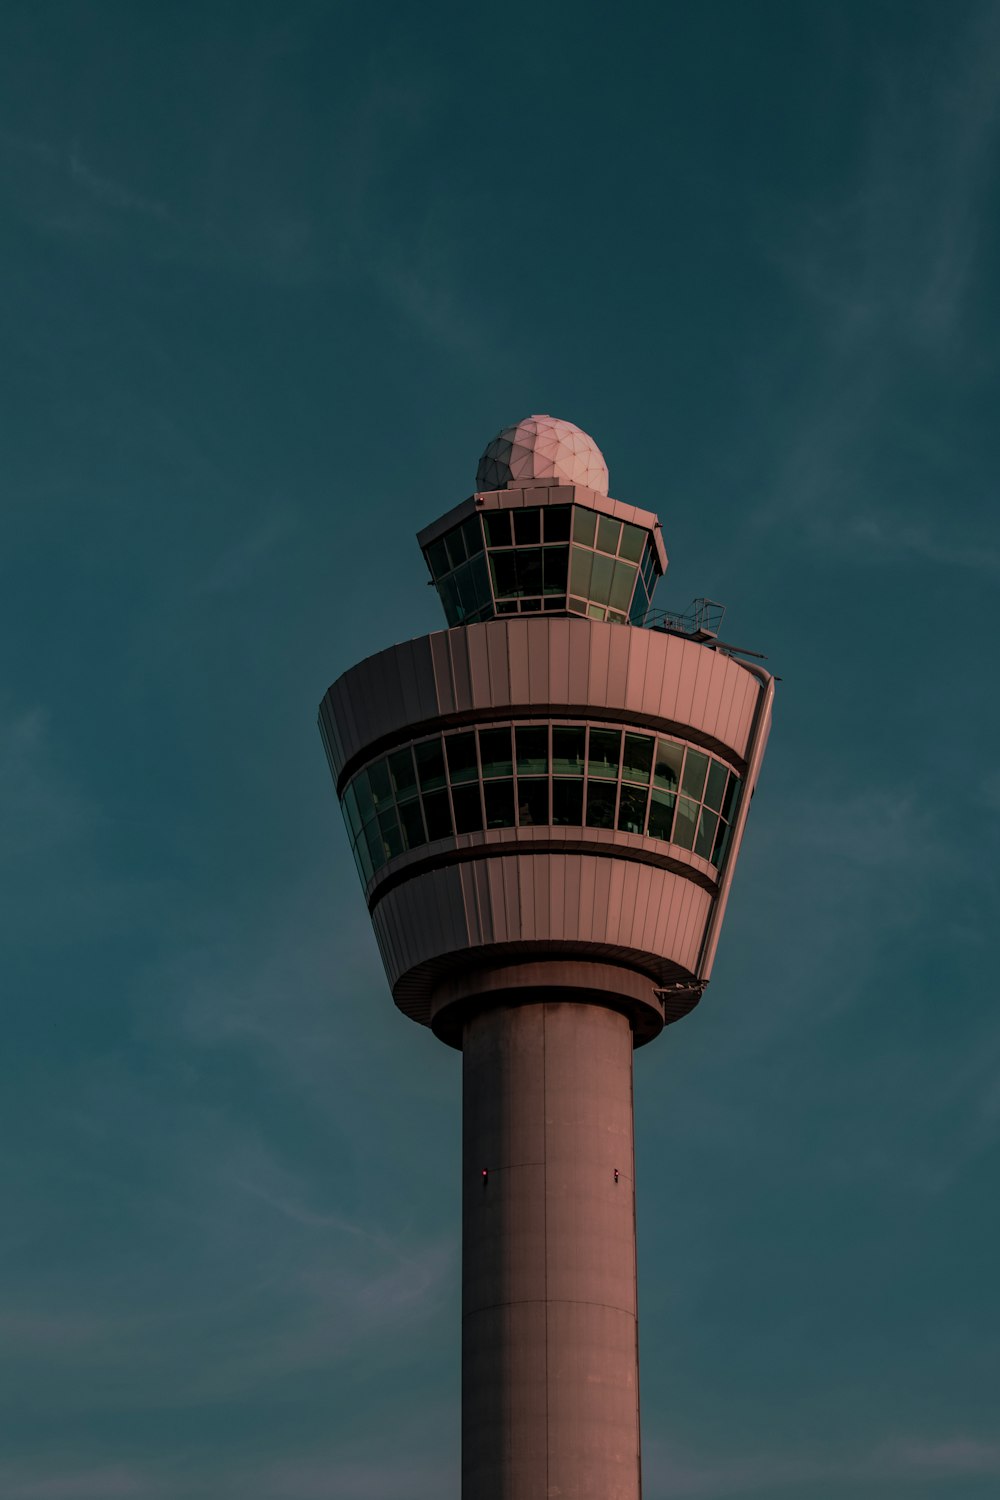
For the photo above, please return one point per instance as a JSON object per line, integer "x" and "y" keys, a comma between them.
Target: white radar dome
{"x": 542, "y": 450}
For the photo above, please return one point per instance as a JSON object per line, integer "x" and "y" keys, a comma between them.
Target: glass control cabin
{"x": 490, "y": 557}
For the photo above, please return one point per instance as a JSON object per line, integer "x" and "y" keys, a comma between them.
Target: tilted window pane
{"x": 499, "y": 799}
{"x": 494, "y": 752}
{"x": 661, "y": 814}
{"x": 507, "y": 609}
{"x": 722, "y": 836}
{"x": 437, "y": 815}
{"x": 601, "y": 804}
{"x": 578, "y": 606}
{"x": 567, "y": 803}
{"x": 480, "y": 581}
{"x": 527, "y": 527}
{"x": 472, "y": 535}
{"x": 392, "y": 838}
{"x": 373, "y": 838}
{"x": 600, "y": 578}
{"x": 528, "y": 606}
{"x": 632, "y": 809}
{"x": 468, "y": 812}
{"x": 695, "y": 767}
{"x": 404, "y": 777}
{"x": 461, "y": 751}
{"x": 529, "y": 571}
{"x": 455, "y": 546}
{"x": 715, "y": 786}
{"x": 640, "y": 605}
{"x": 632, "y": 542}
{"x": 667, "y": 772}
{"x": 608, "y": 532}
{"x": 638, "y": 758}
{"x": 412, "y": 824}
{"x": 705, "y": 841}
{"x": 622, "y": 584}
{"x": 378, "y": 780}
{"x": 366, "y": 806}
{"x": 605, "y": 752}
{"x": 556, "y": 520}
{"x": 437, "y": 558}
{"x": 449, "y": 598}
{"x": 616, "y": 618}
{"x": 532, "y": 749}
{"x": 584, "y": 525}
{"x": 556, "y": 602}
{"x": 503, "y": 566}
{"x": 686, "y": 822}
{"x": 465, "y": 585}
{"x": 731, "y": 800}
{"x": 363, "y": 857}
{"x": 430, "y": 764}
{"x": 351, "y": 811}
{"x": 568, "y": 743}
{"x": 596, "y": 611}
{"x": 532, "y": 802}
{"x": 497, "y": 527}
{"x": 555, "y": 565}
{"x": 580, "y": 569}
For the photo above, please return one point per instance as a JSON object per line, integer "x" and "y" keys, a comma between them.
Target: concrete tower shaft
{"x": 546, "y": 804}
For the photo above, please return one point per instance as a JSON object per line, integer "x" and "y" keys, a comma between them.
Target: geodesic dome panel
{"x": 542, "y": 450}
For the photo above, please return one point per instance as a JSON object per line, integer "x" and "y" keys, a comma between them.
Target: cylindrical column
{"x": 550, "y": 1398}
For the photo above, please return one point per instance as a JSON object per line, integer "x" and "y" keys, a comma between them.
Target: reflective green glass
{"x": 600, "y": 578}
{"x": 667, "y": 772}
{"x": 705, "y": 841}
{"x": 378, "y": 780}
{"x": 480, "y": 581}
{"x": 568, "y": 744}
{"x": 527, "y": 527}
{"x": 494, "y": 752}
{"x": 555, "y": 564}
{"x": 392, "y": 838}
{"x": 580, "y": 569}
{"x": 638, "y": 757}
{"x": 722, "y": 836}
{"x": 499, "y": 799}
{"x": 661, "y": 814}
{"x": 632, "y": 809}
{"x": 686, "y": 822}
{"x": 596, "y": 611}
{"x": 695, "y": 767}
{"x": 567, "y": 803}
{"x": 437, "y": 815}
{"x": 496, "y": 524}
{"x": 437, "y": 558}
{"x": 366, "y": 807}
{"x": 556, "y": 519}
{"x": 532, "y": 749}
{"x": 364, "y": 859}
{"x": 468, "y": 811}
{"x": 430, "y": 765}
{"x": 622, "y": 584}
{"x": 632, "y": 542}
{"x": 584, "y": 525}
{"x": 578, "y": 606}
{"x": 472, "y": 535}
{"x": 376, "y": 849}
{"x": 608, "y": 532}
{"x": 461, "y": 752}
{"x": 616, "y": 618}
{"x": 503, "y": 566}
{"x": 412, "y": 824}
{"x": 404, "y": 778}
{"x": 601, "y": 804}
{"x": 730, "y": 801}
{"x": 529, "y": 571}
{"x": 715, "y": 786}
{"x": 532, "y": 802}
{"x": 604, "y": 752}
{"x": 351, "y": 813}
{"x": 455, "y": 546}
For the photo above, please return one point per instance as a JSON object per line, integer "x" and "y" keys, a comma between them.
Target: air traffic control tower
{"x": 546, "y": 803}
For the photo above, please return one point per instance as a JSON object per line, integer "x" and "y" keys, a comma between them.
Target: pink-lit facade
{"x": 546, "y": 806}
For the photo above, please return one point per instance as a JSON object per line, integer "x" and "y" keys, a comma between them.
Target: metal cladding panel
{"x": 565, "y": 665}
{"x": 647, "y": 916}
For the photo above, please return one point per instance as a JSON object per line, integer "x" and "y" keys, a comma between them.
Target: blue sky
{"x": 272, "y": 275}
